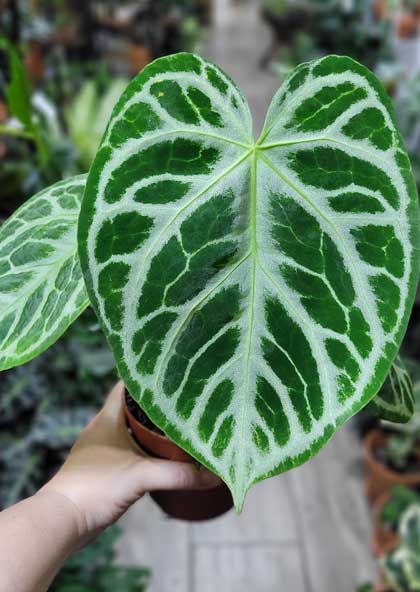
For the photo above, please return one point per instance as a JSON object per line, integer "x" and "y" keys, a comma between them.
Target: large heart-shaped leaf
{"x": 254, "y": 294}
{"x": 42, "y": 290}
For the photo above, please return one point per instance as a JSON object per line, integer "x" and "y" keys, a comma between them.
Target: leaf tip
{"x": 238, "y": 496}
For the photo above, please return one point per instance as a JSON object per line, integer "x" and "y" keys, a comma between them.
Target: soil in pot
{"x": 184, "y": 505}
{"x": 139, "y": 415}
{"x": 382, "y": 478}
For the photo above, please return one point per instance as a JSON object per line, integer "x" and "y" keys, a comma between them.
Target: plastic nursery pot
{"x": 384, "y": 539}
{"x": 184, "y": 505}
{"x": 381, "y": 478}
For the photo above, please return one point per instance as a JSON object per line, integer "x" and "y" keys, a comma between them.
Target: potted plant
{"x": 402, "y": 566}
{"x": 395, "y": 401}
{"x": 387, "y": 512}
{"x": 254, "y": 294}
{"x": 392, "y": 454}
{"x": 392, "y": 458}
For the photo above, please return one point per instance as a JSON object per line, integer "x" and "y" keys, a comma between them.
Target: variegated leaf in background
{"x": 402, "y": 565}
{"x": 395, "y": 400}
{"x": 254, "y": 294}
{"x": 42, "y": 289}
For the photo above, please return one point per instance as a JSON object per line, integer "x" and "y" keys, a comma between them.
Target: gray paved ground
{"x": 305, "y": 531}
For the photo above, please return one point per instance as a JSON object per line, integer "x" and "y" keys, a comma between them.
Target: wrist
{"x": 67, "y": 515}
{"x": 44, "y": 530}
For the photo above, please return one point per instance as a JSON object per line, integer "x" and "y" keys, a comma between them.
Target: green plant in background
{"x": 18, "y": 96}
{"x": 278, "y": 7}
{"x": 407, "y": 106}
{"x": 402, "y": 566}
{"x": 399, "y": 450}
{"x": 64, "y": 145}
{"x": 92, "y": 570}
{"x": 400, "y": 499}
{"x": 44, "y": 406}
{"x": 254, "y": 294}
{"x": 402, "y": 446}
{"x": 395, "y": 400}
{"x": 87, "y": 114}
{"x": 366, "y": 587}
{"x": 361, "y": 36}
{"x": 36, "y": 150}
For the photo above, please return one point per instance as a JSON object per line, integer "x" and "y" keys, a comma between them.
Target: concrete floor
{"x": 304, "y": 531}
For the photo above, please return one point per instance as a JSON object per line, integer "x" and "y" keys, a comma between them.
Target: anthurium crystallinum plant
{"x": 254, "y": 294}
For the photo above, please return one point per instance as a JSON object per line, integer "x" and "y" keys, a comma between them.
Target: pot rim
{"x": 372, "y": 441}
{"x": 159, "y": 440}
{"x": 162, "y": 437}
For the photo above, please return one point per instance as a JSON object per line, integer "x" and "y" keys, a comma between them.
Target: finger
{"x": 108, "y": 426}
{"x": 154, "y": 474}
{"x": 113, "y": 402}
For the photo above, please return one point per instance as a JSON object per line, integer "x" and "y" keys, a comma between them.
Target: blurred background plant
{"x": 62, "y": 66}
{"x": 305, "y": 30}
{"x": 402, "y": 449}
{"x": 94, "y": 571}
{"x": 399, "y": 500}
{"x": 402, "y": 565}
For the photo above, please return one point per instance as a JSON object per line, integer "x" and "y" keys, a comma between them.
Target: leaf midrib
{"x": 239, "y": 485}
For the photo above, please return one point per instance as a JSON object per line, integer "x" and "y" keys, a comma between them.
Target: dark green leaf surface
{"x": 254, "y": 294}
{"x": 41, "y": 285}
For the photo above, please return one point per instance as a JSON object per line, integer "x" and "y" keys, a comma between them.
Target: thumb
{"x": 113, "y": 402}
{"x": 153, "y": 474}
{"x": 108, "y": 426}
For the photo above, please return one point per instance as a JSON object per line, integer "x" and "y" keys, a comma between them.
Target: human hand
{"x": 105, "y": 472}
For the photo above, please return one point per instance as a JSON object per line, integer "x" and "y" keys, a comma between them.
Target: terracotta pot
{"x": 4, "y": 114}
{"x": 184, "y": 505}
{"x": 381, "y": 9}
{"x": 407, "y": 26}
{"x": 139, "y": 56}
{"x": 381, "y": 478}
{"x": 381, "y": 586}
{"x": 384, "y": 539}
{"x": 34, "y": 62}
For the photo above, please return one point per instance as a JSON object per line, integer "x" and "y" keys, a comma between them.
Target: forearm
{"x": 36, "y": 537}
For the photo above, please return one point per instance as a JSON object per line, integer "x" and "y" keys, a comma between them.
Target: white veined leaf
{"x": 42, "y": 289}
{"x": 402, "y": 566}
{"x": 254, "y": 293}
{"x": 395, "y": 400}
